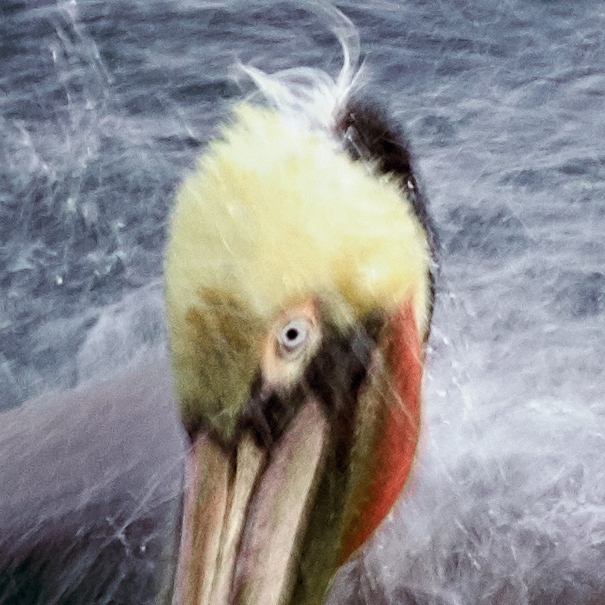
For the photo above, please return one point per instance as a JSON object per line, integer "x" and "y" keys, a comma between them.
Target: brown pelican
{"x": 299, "y": 296}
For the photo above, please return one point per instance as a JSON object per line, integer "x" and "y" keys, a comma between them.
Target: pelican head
{"x": 299, "y": 295}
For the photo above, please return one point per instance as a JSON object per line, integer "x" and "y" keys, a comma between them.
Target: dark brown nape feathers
{"x": 369, "y": 134}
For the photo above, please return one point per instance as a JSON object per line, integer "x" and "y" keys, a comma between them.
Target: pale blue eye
{"x": 294, "y": 335}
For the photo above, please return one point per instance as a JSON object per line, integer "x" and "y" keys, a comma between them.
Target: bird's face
{"x": 297, "y": 288}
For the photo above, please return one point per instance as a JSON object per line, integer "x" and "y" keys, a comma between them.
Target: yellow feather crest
{"x": 274, "y": 214}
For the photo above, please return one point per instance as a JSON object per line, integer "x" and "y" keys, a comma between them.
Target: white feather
{"x": 310, "y": 94}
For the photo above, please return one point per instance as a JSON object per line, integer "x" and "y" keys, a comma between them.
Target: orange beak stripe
{"x": 395, "y": 448}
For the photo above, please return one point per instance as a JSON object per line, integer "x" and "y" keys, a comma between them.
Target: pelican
{"x": 299, "y": 294}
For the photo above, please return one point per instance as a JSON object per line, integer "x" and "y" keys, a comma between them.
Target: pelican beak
{"x": 245, "y": 513}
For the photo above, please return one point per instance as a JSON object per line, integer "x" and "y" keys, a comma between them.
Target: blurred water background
{"x": 104, "y": 106}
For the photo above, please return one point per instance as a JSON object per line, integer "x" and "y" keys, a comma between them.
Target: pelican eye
{"x": 294, "y": 335}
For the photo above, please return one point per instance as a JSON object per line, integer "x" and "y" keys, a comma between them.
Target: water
{"x": 103, "y": 108}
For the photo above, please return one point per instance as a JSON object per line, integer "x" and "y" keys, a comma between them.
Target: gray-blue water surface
{"x": 104, "y": 106}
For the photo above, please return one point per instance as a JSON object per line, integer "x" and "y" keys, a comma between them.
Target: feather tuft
{"x": 311, "y": 95}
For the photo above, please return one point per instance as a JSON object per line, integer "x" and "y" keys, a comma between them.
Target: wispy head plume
{"x": 307, "y": 93}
